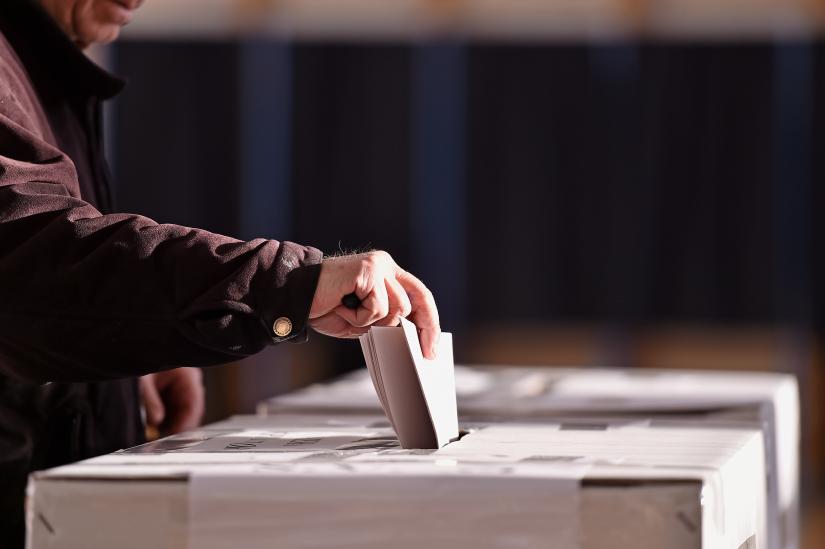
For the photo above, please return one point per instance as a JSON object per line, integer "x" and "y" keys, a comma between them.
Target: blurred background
{"x": 580, "y": 182}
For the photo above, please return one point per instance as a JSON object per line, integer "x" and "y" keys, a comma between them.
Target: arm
{"x": 86, "y": 296}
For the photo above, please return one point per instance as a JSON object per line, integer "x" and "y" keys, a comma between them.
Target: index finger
{"x": 424, "y": 312}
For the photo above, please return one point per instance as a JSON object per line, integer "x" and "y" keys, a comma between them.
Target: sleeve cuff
{"x": 286, "y": 315}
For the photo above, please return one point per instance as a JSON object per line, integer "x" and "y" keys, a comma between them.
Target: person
{"x": 91, "y": 299}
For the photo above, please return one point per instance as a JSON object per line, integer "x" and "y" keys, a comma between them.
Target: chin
{"x": 109, "y": 35}
{"x": 103, "y": 34}
{"x": 98, "y": 21}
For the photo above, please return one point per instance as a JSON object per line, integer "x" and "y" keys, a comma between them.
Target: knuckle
{"x": 367, "y": 263}
{"x": 379, "y": 257}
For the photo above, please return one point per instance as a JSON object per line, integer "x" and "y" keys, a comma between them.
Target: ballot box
{"x": 343, "y": 482}
{"x": 766, "y": 401}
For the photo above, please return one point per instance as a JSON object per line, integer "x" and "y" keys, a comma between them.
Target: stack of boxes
{"x": 547, "y": 458}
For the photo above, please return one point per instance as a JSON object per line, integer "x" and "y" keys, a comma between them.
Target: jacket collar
{"x": 46, "y": 50}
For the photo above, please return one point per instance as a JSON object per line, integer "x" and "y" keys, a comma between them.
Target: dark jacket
{"x": 89, "y": 299}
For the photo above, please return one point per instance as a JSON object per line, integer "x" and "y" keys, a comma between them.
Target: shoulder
{"x": 27, "y": 146}
{"x": 19, "y": 103}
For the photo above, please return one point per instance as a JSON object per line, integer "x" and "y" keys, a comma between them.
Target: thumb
{"x": 152, "y": 403}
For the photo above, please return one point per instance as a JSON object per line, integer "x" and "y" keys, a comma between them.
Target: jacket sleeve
{"x": 86, "y": 296}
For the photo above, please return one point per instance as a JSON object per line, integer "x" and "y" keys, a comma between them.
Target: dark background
{"x": 628, "y": 204}
{"x": 622, "y": 183}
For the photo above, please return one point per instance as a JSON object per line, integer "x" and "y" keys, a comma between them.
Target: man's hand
{"x": 387, "y": 293}
{"x": 173, "y": 400}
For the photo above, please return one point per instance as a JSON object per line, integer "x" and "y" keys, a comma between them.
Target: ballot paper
{"x": 417, "y": 394}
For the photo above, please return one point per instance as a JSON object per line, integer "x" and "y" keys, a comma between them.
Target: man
{"x": 89, "y": 299}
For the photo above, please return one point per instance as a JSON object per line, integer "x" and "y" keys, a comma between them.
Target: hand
{"x": 173, "y": 399}
{"x": 387, "y": 293}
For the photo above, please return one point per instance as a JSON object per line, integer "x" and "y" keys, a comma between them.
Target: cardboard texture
{"x": 766, "y": 401}
{"x": 331, "y": 481}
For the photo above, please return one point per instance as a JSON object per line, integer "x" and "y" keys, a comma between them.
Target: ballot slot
{"x": 461, "y": 434}
{"x": 416, "y": 394}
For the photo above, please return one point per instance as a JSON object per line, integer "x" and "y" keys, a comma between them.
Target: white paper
{"x": 417, "y": 394}
{"x": 437, "y": 378}
{"x": 368, "y": 506}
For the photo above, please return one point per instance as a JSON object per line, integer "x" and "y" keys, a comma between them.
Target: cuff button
{"x": 282, "y": 327}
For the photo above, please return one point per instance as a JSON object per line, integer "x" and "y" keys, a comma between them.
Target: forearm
{"x": 87, "y": 296}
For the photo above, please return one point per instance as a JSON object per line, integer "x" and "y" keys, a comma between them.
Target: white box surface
{"x": 314, "y": 481}
{"x": 768, "y": 401}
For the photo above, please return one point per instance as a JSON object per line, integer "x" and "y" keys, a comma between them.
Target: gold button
{"x": 282, "y": 327}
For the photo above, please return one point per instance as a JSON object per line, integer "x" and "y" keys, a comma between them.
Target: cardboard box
{"x": 315, "y": 481}
{"x": 766, "y": 401}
